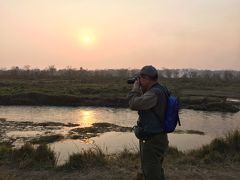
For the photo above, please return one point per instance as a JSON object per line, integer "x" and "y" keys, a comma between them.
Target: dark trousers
{"x": 152, "y": 154}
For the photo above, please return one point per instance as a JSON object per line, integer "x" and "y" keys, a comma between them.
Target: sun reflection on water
{"x": 86, "y": 118}
{"x": 87, "y": 141}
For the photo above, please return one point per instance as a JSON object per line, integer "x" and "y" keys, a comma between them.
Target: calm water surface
{"x": 213, "y": 124}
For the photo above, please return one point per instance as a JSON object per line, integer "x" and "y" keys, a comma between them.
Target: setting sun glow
{"x": 107, "y": 34}
{"x": 87, "y": 38}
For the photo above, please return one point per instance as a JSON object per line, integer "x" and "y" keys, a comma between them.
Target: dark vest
{"x": 151, "y": 120}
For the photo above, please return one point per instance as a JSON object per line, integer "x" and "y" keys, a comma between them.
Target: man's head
{"x": 148, "y": 76}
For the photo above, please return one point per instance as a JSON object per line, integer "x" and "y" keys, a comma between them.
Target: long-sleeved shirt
{"x": 139, "y": 101}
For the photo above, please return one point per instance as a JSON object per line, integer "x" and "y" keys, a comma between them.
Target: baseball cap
{"x": 149, "y": 71}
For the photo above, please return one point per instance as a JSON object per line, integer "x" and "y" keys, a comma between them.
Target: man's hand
{"x": 136, "y": 86}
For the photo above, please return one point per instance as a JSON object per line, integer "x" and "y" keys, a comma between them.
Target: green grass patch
{"x": 193, "y": 93}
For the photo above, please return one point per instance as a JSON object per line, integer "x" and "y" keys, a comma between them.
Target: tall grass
{"x": 41, "y": 157}
{"x": 5, "y": 149}
{"x": 225, "y": 149}
{"x": 85, "y": 159}
{"x": 220, "y": 149}
{"x": 127, "y": 155}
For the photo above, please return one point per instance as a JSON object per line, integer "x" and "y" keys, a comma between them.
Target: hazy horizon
{"x": 107, "y": 34}
{"x": 98, "y": 69}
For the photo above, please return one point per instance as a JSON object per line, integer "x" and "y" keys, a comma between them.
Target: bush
{"x": 220, "y": 149}
{"x": 44, "y": 156}
{"x": 86, "y": 158}
{"x": 5, "y": 150}
{"x": 174, "y": 152}
{"x": 126, "y": 154}
{"x": 27, "y": 156}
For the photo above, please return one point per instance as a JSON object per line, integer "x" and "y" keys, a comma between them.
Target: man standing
{"x": 149, "y": 98}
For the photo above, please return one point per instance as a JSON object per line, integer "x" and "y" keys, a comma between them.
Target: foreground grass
{"x": 28, "y": 157}
{"x": 86, "y": 159}
{"x": 221, "y": 154}
{"x": 220, "y": 149}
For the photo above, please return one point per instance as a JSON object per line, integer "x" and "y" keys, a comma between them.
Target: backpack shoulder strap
{"x": 167, "y": 93}
{"x": 160, "y": 90}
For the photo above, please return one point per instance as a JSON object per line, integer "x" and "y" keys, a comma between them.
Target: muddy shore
{"x": 15, "y": 132}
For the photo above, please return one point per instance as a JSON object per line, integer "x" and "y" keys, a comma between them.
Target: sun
{"x": 87, "y": 38}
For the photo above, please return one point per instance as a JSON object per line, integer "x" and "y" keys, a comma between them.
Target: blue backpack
{"x": 171, "y": 118}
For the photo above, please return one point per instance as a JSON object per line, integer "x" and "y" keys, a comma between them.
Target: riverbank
{"x": 193, "y": 94}
{"x": 38, "y": 99}
{"x": 218, "y": 160}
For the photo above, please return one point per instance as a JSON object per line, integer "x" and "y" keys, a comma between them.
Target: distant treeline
{"x": 90, "y": 75}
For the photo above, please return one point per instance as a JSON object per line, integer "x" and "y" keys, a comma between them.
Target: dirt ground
{"x": 172, "y": 171}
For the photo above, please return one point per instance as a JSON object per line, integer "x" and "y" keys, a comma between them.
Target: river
{"x": 213, "y": 124}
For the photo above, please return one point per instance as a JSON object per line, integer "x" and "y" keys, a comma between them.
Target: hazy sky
{"x": 99, "y": 34}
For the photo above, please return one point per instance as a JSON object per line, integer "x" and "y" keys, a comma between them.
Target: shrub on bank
{"x": 41, "y": 157}
{"x": 85, "y": 159}
{"x": 220, "y": 149}
{"x": 5, "y": 149}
